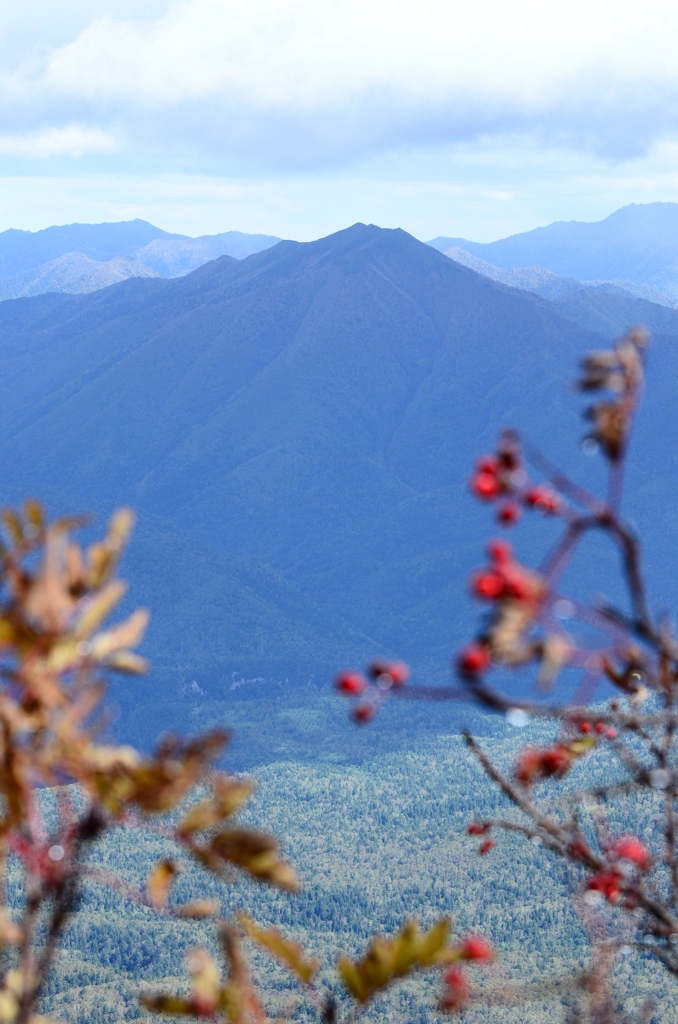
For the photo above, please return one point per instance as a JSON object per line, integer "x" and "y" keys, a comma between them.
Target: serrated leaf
{"x": 291, "y": 953}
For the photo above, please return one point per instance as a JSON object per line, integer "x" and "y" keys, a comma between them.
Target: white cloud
{"x": 456, "y": 193}
{"x": 294, "y": 84}
{"x": 72, "y": 140}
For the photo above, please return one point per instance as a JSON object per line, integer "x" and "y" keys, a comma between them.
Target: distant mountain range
{"x": 81, "y": 258}
{"x": 296, "y": 430}
{"x": 634, "y": 252}
{"x": 635, "y": 246}
{"x": 552, "y": 286}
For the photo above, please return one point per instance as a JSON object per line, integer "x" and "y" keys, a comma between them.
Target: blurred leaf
{"x": 227, "y": 796}
{"x": 238, "y": 1000}
{"x": 291, "y": 953}
{"x": 167, "y": 1004}
{"x": 103, "y": 557}
{"x": 198, "y": 909}
{"x": 10, "y": 932}
{"x": 388, "y": 959}
{"x": 205, "y": 980}
{"x": 159, "y": 883}
{"x": 12, "y": 524}
{"x": 158, "y": 784}
{"x": 99, "y": 608}
{"x": 254, "y": 852}
{"x": 128, "y": 634}
{"x": 127, "y": 661}
{"x": 34, "y": 513}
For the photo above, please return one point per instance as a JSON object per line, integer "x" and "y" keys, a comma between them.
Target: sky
{"x": 298, "y": 118}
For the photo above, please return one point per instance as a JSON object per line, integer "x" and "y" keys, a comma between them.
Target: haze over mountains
{"x": 81, "y": 258}
{"x": 633, "y": 252}
{"x": 637, "y": 245}
{"x": 295, "y": 430}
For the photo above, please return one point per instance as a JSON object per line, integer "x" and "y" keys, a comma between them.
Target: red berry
{"x": 518, "y": 585}
{"x": 500, "y": 551}
{"x": 533, "y": 764}
{"x": 509, "y": 513}
{"x": 477, "y": 948}
{"x": 542, "y": 498}
{"x": 606, "y": 883}
{"x": 351, "y": 683}
{"x": 488, "y": 585}
{"x": 394, "y": 672}
{"x": 611, "y": 733}
{"x": 487, "y": 464}
{"x": 555, "y": 762}
{"x": 600, "y": 728}
{"x": 631, "y": 848}
{"x": 585, "y": 727}
{"x": 485, "y": 486}
{"x": 485, "y": 847}
{"x": 474, "y": 659}
{"x": 363, "y": 713}
{"x": 399, "y": 673}
{"x": 478, "y": 829}
{"x": 456, "y": 991}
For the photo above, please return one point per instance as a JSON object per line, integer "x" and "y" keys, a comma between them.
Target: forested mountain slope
{"x": 295, "y": 430}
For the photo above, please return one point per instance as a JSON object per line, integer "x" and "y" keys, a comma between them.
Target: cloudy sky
{"x": 297, "y": 118}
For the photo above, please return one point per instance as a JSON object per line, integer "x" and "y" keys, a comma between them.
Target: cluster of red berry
{"x": 502, "y": 478}
{"x": 457, "y": 991}
{"x": 477, "y": 828}
{"x": 536, "y": 763}
{"x": 475, "y": 949}
{"x": 505, "y": 579}
{"x": 611, "y": 883}
{"x": 599, "y": 728}
{"x": 381, "y": 677}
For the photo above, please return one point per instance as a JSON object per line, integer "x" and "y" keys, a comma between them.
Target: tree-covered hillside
{"x": 295, "y": 431}
{"x": 374, "y": 843}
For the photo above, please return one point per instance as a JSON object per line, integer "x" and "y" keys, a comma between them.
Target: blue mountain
{"x": 296, "y": 430}
{"x": 638, "y": 243}
{"x": 80, "y": 258}
{"x": 24, "y": 250}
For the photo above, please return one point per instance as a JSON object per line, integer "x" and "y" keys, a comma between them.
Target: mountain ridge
{"x": 637, "y": 243}
{"x": 298, "y": 428}
{"x": 85, "y": 257}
